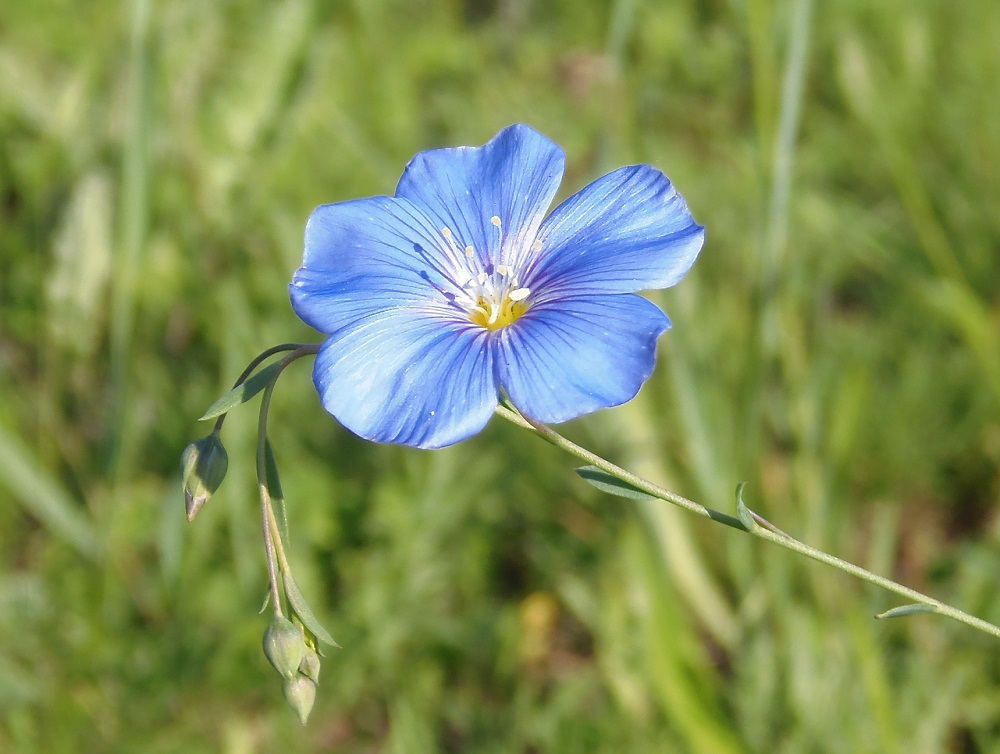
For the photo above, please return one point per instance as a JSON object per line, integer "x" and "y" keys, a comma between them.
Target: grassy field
{"x": 837, "y": 346}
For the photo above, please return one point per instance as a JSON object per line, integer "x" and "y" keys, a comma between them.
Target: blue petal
{"x": 569, "y": 357}
{"x": 368, "y": 256}
{"x": 514, "y": 177}
{"x": 628, "y": 231}
{"x": 408, "y": 377}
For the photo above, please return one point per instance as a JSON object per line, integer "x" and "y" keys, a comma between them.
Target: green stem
{"x": 273, "y": 547}
{"x": 265, "y": 501}
{"x": 300, "y": 350}
{"x": 553, "y": 437}
{"x": 279, "y": 546}
{"x": 760, "y": 528}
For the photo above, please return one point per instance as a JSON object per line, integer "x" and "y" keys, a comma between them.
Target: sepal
{"x": 300, "y": 693}
{"x": 284, "y": 647}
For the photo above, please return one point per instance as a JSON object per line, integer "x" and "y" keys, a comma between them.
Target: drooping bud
{"x": 203, "y": 467}
{"x": 309, "y": 667}
{"x": 300, "y": 693}
{"x": 284, "y": 647}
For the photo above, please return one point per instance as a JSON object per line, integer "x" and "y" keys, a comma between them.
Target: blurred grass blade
{"x": 130, "y": 249}
{"x": 903, "y": 610}
{"x": 305, "y": 614}
{"x": 959, "y": 305}
{"x": 242, "y": 392}
{"x": 44, "y": 499}
{"x": 612, "y": 485}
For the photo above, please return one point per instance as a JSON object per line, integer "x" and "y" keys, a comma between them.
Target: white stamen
{"x": 519, "y": 294}
{"x": 489, "y": 293}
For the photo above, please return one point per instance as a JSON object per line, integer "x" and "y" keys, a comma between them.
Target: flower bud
{"x": 309, "y": 667}
{"x": 203, "y": 467}
{"x": 300, "y": 693}
{"x": 284, "y": 647}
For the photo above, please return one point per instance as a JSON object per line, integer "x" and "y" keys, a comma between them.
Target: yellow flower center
{"x": 491, "y": 295}
{"x": 493, "y": 314}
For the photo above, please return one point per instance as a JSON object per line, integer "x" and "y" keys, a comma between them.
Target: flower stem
{"x": 273, "y": 547}
{"x": 760, "y": 527}
{"x": 550, "y": 435}
{"x": 300, "y": 350}
{"x": 265, "y": 501}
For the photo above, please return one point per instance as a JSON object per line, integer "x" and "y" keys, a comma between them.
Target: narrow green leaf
{"x": 612, "y": 485}
{"x": 742, "y": 512}
{"x": 304, "y": 612}
{"x": 903, "y": 610}
{"x": 243, "y": 392}
{"x": 273, "y": 483}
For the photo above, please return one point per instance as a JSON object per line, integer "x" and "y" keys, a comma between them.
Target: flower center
{"x": 500, "y": 304}
{"x": 490, "y": 295}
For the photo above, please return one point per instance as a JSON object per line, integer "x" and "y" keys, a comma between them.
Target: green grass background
{"x": 837, "y": 345}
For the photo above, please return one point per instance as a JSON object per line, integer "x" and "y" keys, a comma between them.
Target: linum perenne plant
{"x": 458, "y": 298}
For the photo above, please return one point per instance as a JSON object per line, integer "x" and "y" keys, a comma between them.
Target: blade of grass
{"x": 44, "y": 498}
{"x": 132, "y": 234}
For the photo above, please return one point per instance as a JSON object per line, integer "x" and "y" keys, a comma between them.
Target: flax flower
{"x": 458, "y": 286}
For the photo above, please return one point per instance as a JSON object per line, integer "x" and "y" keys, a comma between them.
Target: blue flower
{"x": 436, "y": 299}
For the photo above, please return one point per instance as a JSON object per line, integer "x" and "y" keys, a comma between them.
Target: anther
{"x": 519, "y": 294}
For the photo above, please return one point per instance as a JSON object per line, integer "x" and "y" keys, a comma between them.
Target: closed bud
{"x": 203, "y": 467}
{"x": 300, "y": 693}
{"x": 309, "y": 667}
{"x": 284, "y": 647}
